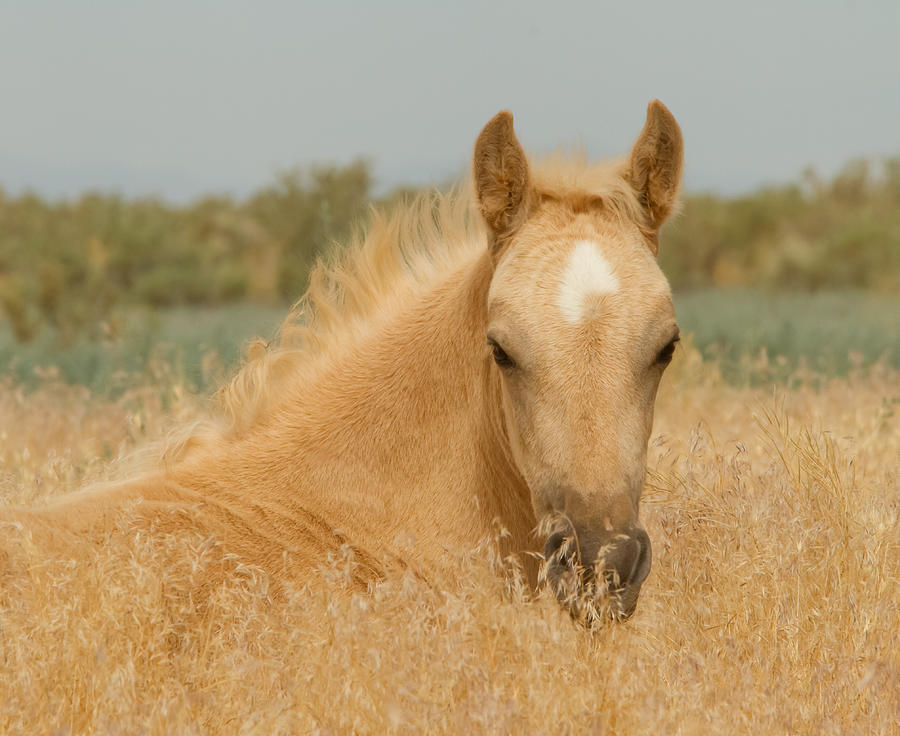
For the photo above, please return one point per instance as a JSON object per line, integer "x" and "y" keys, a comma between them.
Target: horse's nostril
{"x": 554, "y": 542}
{"x": 625, "y": 559}
{"x": 559, "y": 546}
{"x": 644, "y": 558}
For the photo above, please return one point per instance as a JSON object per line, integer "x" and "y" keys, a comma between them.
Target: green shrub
{"x": 68, "y": 265}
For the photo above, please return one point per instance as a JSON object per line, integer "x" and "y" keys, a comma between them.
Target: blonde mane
{"x": 397, "y": 257}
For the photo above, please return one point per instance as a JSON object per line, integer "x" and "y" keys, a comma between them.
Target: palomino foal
{"x": 442, "y": 376}
{"x": 581, "y": 327}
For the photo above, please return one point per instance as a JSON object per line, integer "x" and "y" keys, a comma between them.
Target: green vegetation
{"x": 753, "y": 335}
{"x": 70, "y": 266}
{"x": 200, "y": 345}
{"x": 102, "y": 288}
{"x": 815, "y": 235}
{"x": 758, "y": 336}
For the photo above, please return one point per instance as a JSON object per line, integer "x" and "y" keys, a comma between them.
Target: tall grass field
{"x": 772, "y": 499}
{"x": 773, "y": 504}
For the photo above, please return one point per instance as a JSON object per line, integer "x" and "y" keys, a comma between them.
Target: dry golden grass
{"x": 772, "y": 606}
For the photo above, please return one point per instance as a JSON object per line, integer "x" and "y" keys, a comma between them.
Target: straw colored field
{"x": 772, "y": 606}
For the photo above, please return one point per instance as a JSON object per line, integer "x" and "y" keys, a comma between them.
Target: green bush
{"x": 816, "y": 235}
{"x": 69, "y": 265}
{"x": 72, "y": 265}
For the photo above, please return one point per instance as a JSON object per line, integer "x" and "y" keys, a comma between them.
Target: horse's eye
{"x": 500, "y": 357}
{"x": 665, "y": 355}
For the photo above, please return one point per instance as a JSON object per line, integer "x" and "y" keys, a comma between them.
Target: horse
{"x": 488, "y": 356}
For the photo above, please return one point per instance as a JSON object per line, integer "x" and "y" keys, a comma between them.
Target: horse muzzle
{"x": 598, "y": 574}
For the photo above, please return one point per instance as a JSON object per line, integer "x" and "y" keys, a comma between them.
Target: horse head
{"x": 580, "y": 327}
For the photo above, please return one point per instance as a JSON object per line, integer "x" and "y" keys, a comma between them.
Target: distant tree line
{"x": 811, "y": 235}
{"x": 70, "y": 265}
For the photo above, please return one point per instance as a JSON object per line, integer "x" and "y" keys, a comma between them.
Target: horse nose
{"x": 623, "y": 560}
{"x": 624, "y": 557}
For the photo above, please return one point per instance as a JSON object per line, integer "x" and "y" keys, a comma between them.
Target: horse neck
{"x": 440, "y": 341}
{"x": 417, "y": 405}
{"x": 399, "y": 430}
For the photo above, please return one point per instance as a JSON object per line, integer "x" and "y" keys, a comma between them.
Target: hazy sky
{"x": 179, "y": 98}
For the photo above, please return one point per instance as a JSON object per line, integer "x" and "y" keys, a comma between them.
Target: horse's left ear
{"x": 502, "y": 181}
{"x": 655, "y": 164}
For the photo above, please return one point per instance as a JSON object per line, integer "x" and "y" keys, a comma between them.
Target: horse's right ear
{"x": 502, "y": 182}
